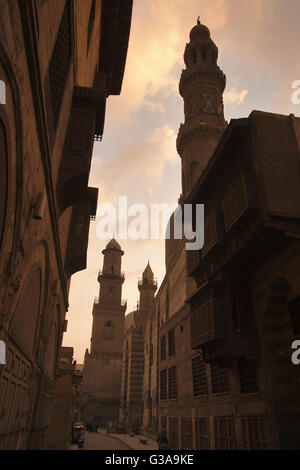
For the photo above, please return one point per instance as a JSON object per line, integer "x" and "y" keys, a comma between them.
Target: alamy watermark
{"x": 2, "y": 352}
{"x": 2, "y": 92}
{"x": 296, "y": 93}
{"x": 296, "y": 354}
{"x": 137, "y": 221}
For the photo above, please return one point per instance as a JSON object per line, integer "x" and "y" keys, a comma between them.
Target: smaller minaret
{"x": 111, "y": 278}
{"x": 147, "y": 287}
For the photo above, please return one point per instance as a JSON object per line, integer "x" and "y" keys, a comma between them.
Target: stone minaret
{"x": 109, "y": 308}
{"x": 102, "y": 366}
{"x": 147, "y": 287}
{"x": 201, "y": 85}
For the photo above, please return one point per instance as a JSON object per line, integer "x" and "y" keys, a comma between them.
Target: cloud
{"x": 139, "y": 168}
{"x": 234, "y": 97}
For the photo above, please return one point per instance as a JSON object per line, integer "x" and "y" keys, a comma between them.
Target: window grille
{"x": 224, "y": 433}
{"x": 219, "y": 379}
{"x": 248, "y": 375}
{"x": 199, "y": 377}
{"x": 163, "y": 384}
{"x": 58, "y": 68}
{"x": 186, "y": 433}
{"x": 202, "y": 434}
{"x": 254, "y": 433}
{"x": 172, "y": 382}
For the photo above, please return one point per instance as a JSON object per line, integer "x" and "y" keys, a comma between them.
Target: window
{"x": 224, "y": 433}
{"x": 163, "y": 384}
{"x": 91, "y": 24}
{"x": 199, "y": 377}
{"x": 294, "y": 306}
{"x": 163, "y": 352}
{"x": 219, "y": 379}
{"x": 108, "y": 330}
{"x": 186, "y": 433}
{"x": 173, "y": 432}
{"x": 254, "y": 433}
{"x": 248, "y": 375}
{"x": 59, "y": 67}
{"x": 201, "y": 434}
{"x": 171, "y": 341}
{"x": 172, "y": 383}
{"x": 167, "y": 303}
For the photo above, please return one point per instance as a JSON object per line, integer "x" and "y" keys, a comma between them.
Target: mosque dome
{"x": 199, "y": 33}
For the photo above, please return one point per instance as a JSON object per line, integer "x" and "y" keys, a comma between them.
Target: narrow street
{"x": 101, "y": 441}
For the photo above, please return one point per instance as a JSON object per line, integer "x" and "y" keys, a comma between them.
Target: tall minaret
{"x": 147, "y": 287}
{"x": 109, "y": 309}
{"x": 201, "y": 85}
{"x": 102, "y": 365}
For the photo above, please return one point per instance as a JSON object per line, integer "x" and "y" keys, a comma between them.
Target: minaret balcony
{"x": 153, "y": 282}
{"x": 98, "y": 301}
{"x": 110, "y": 275}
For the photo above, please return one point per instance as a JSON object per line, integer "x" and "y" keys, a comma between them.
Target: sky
{"x": 258, "y": 44}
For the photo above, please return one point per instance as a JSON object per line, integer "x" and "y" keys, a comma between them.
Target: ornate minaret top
{"x": 111, "y": 278}
{"x": 201, "y": 85}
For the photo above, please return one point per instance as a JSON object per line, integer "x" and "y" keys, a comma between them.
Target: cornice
{"x": 196, "y": 73}
{"x": 186, "y": 135}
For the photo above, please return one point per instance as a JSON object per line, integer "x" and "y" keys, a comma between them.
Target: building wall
{"x": 37, "y": 257}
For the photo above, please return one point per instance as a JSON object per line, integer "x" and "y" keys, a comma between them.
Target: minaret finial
{"x": 198, "y": 20}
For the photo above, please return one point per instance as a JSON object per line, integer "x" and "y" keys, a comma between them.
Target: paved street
{"x": 101, "y": 442}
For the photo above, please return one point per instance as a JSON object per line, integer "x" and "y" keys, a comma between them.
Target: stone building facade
{"x": 133, "y": 362}
{"x": 102, "y": 364}
{"x": 59, "y": 61}
{"x": 225, "y": 316}
{"x": 65, "y": 406}
{"x": 201, "y": 85}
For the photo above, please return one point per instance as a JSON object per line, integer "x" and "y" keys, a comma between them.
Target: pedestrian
{"x": 162, "y": 440}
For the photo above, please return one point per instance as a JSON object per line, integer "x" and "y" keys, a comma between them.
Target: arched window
{"x": 109, "y": 330}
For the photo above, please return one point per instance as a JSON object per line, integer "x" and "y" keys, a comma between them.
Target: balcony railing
{"x": 111, "y": 274}
{"x": 98, "y": 301}
{"x": 203, "y": 324}
{"x": 241, "y": 197}
{"x": 193, "y": 260}
{"x": 142, "y": 282}
{"x": 213, "y": 231}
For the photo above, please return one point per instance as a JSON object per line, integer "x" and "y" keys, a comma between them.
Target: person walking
{"x": 162, "y": 440}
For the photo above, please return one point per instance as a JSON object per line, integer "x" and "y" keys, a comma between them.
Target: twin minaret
{"x": 109, "y": 309}
{"x": 201, "y": 85}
